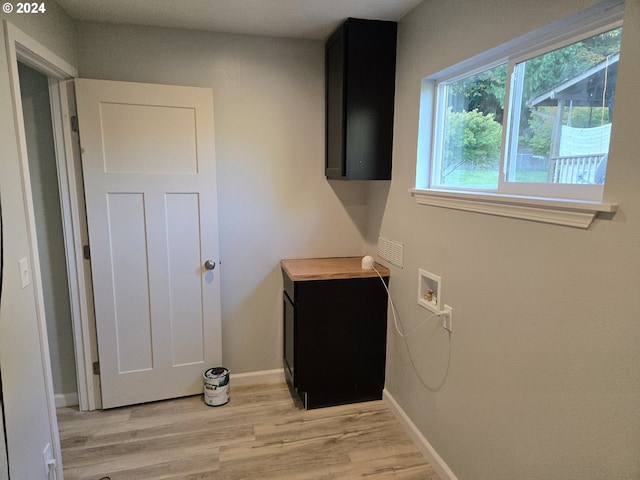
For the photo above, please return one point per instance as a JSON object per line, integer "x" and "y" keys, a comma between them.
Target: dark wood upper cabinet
{"x": 360, "y": 68}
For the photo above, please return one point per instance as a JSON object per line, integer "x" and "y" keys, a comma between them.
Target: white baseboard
{"x": 66, "y": 399}
{"x": 252, "y": 378}
{"x": 423, "y": 444}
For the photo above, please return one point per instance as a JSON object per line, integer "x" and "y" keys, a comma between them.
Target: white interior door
{"x": 149, "y": 171}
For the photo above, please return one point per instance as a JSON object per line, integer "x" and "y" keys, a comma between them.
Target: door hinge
{"x": 74, "y": 123}
{"x": 96, "y": 368}
{"x": 86, "y": 252}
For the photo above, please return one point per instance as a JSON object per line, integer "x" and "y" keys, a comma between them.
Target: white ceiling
{"x": 313, "y": 19}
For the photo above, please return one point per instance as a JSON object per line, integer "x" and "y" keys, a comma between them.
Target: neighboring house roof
{"x": 586, "y": 89}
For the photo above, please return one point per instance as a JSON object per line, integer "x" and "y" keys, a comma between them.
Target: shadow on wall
{"x": 427, "y": 352}
{"x": 355, "y": 197}
{"x": 252, "y": 319}
{"x": 377, "y": 196}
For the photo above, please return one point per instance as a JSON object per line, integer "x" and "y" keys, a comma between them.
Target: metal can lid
{"x": 216, "y": 372}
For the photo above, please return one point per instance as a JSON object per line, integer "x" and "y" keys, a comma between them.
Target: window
{"x": 469, "y": 130}
{"x": 523, "y": 122}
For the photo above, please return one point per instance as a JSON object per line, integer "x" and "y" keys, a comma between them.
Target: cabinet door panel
{"x": 360, "y": 67}
{"x": 335, "y": 166}
{"x": 342, "y": 340}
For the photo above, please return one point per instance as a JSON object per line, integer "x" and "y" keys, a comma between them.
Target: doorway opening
{"x": 34, "y": 92}
{"x": 53, "y": 75}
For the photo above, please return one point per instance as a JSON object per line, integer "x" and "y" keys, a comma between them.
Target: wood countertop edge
{"x": 330, "y": 268}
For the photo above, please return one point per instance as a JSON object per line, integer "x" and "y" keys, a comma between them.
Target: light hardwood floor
{"x": 260, "y": 434}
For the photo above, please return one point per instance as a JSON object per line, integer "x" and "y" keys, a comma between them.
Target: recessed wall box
{"x": 429, "y": 290}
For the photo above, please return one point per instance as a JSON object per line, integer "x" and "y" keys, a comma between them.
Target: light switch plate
{"x": 25, "y": 278}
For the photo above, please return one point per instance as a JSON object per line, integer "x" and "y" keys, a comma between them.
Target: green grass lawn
{"x": 485, "y": 178}
{"x": 533, "y": 176}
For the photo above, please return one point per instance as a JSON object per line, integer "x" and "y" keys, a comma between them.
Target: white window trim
{"x": 560, "y": 211}
{"x": 571, "y": 213}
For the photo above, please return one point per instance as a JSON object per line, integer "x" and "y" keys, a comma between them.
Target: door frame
{"x": 23, "y": 48}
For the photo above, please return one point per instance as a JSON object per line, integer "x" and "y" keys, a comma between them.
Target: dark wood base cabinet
{"x": 335, "y": 324}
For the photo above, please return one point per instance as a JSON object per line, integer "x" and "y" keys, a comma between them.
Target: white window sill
{"x": 572, "y": 213}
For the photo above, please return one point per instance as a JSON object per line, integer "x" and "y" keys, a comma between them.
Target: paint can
{"x": 216, "y": 386}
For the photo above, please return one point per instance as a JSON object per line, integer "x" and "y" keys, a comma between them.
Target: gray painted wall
{"x": 539, "y": 379}
{"x": 273, "y": 199}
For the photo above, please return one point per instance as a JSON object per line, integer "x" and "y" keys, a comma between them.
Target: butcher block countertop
{"x": 329, "y": 268}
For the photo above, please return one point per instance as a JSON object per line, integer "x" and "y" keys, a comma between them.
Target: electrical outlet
{"x": 447, "y": 318}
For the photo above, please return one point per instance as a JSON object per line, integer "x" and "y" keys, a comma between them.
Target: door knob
{"x": 209, "y": 265}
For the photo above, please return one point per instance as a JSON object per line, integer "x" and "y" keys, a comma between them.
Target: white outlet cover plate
{"x": 25, "y": 278}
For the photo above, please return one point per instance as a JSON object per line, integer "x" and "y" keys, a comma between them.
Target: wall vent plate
{"x": 397, "y": 254}
{"x": 391, "y": 251}
{"x": 384, "y": 248}
{"x": 429, "y": 290}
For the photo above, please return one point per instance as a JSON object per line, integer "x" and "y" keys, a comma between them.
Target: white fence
{"x": 573, "y": 168}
